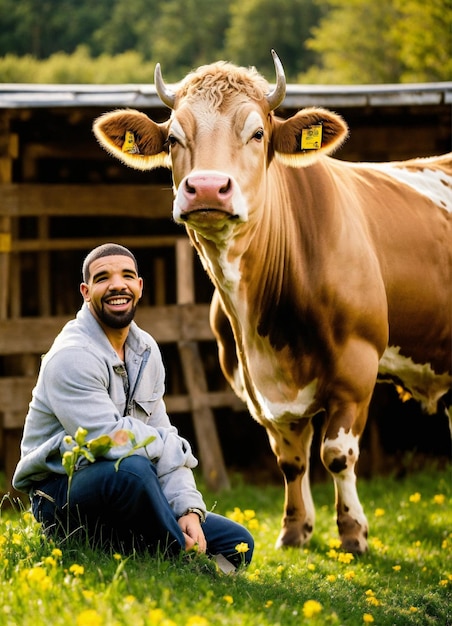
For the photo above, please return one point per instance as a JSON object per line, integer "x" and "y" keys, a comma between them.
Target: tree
{"x": 189, "y": 34}
{"x": 390, "y": 41}
{"x": 42, "y": 27}
{"x": 257, "y": 26}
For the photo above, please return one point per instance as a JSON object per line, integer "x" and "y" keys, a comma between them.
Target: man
{"x": 105, "y": 375}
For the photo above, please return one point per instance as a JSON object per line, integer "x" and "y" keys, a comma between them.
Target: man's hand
{"x": 194, "y": 537}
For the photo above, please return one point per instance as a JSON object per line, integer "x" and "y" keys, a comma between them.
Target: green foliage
{"x": 257, "y": 26}
{"x": 79, "y": 67}
{"x": 405, "y": 579}
{"x": 318, "y": 41}
{"x": 390, "y": 41}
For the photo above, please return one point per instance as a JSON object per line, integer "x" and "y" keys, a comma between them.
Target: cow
{"x": 327, "y": 273}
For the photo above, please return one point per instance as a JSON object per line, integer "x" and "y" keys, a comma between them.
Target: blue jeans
{"x": 127, "y": 510}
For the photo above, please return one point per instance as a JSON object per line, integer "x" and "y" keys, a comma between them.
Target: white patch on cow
{"x": 424, "y": 384}
{"x": 252, "y": 123}
{"x": 301, "y": 406}
{"x": 432, "y": 183}
{"x": 231, "y": 272}
{"x": 347, "y": 444}
{"x": 177, "y": 130}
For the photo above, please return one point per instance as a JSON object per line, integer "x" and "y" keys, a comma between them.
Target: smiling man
{"x": 105, "y": 375}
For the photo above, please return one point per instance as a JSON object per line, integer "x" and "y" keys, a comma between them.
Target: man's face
{"x": 113, "y": 290}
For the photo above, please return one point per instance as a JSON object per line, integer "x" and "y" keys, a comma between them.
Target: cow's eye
{"x": 172, "y": 141}
{"x": 259, "y": 134}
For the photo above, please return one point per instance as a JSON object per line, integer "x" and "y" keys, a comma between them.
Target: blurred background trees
{"x": 318, "y": 41}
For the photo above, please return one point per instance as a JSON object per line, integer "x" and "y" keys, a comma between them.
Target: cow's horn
{"x": 167, "y": 96}
{"x": 275, "y": 97}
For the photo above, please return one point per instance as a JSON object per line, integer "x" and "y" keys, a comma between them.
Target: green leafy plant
{"x": 97, "y": 447}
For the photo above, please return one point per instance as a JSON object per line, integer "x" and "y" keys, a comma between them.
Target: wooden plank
{"x": 80, "y": 243}
{"x": 184, "y": 272}
{"x": 149, "y": 201}
{"x": 210, "y": 453}
{"x": 15, "y": 392}
{"x": 34, "y": 335}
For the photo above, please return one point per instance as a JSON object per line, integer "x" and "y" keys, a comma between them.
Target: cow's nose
{"x": 209, "y": 190}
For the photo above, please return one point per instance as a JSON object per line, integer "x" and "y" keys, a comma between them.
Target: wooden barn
{"x": 61, "y": 195}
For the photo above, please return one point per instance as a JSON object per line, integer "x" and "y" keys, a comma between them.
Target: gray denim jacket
{"x": 83, "y": 383}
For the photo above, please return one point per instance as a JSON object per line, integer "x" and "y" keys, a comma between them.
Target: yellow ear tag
{"x": 311, "y": 138}
{"x": 129, "y": 144}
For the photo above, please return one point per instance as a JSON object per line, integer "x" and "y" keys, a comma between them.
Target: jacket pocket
{"x": 142, "y": 409}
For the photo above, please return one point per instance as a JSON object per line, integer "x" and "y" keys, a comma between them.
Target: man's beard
{"x": 115, "y": 320}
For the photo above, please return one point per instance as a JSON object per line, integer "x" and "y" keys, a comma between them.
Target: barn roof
{"x": 19, "y": 95}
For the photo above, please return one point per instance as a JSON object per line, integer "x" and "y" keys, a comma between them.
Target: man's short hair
{"x": 106, "y": 249}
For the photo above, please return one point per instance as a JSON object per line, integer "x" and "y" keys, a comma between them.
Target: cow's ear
{"x": 299, "y": 141}
{"x": 133, "y": 138}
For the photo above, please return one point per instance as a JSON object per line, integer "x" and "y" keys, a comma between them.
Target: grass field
{"x": 404, "y": 580}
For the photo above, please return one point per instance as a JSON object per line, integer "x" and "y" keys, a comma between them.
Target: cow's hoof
{"x": 294, "y": 537}
{"x": 355, "y": 545}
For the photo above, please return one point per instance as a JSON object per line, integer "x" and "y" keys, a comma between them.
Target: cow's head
{"x": 219, "y": 141}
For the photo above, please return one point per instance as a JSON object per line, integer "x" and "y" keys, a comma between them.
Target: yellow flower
{"x": 280, "y": 569}
{"x": 349, "y": 575}
{"x": 197, "y": 620}
{"x": 249, "y": 514}
{"x": 379, "y": 512}
{"x": 311, "y": 608}
{"x": 373, "y": 601}
{"x": 332, "y": 554}
{"x": 117, "y": 557}
{"x": 242, "y": 547}
{"x": 397, "y": 568}
{"x": 345, "y": 557}
{"x": 28, "y": 517}
{"x": 156, "y": 616}
{"x": 129, "y": 599}
{"x": 17, "y": 539}
{"x": 311, "y": 567}
{"x": 331, "y": 578}
{"x": 415, "y": 497}
{"x": 445, "y": 544}
{"x": 444, "y": 582}
{"x": 89, "y": 617}
{"x": 88, "y": 594}
{"x": 49, "y": 560}
{"x": 334, "y": 542}
{"x": 37, "y": 578}
{"x": 254, "y": 575}
{"x": 439, "y": 498}
{"x": 237, "y": 515}
{"x": 228, "y": 599}
{"x": 56, "y": 552}
{"x": 268, "y": 604}
{"x": 253, "y": 524}
{"x": 77, "y": 570}
{"x": 367, "y": 618}
{"x": 413, "y": 609}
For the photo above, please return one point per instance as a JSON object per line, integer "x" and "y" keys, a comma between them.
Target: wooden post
{"x": 10, "y": 439}
{"x": 210, "y": 453}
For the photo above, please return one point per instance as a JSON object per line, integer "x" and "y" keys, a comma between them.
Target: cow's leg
{"x": 340, "y": 452}
{"x": 291, "y": 444}
{"x": 346, "y": 417}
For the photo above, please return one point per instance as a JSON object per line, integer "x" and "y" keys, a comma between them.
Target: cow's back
{"x": 408, "y": 209}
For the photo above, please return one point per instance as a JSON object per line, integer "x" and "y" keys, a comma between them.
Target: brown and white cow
{"x": 326, "y": 272}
